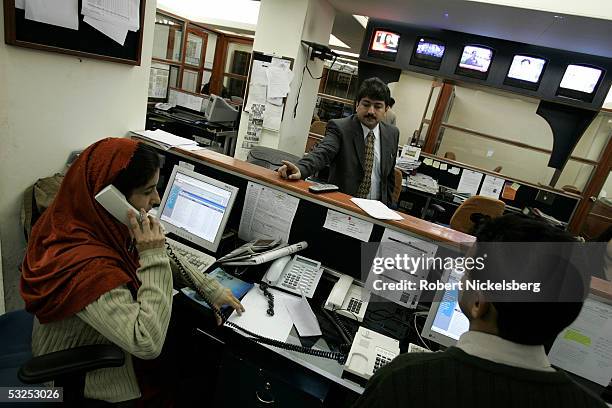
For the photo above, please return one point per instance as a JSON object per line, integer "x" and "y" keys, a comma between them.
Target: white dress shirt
{"x": 375, "y": 186}
{"x": 498, "y": 350}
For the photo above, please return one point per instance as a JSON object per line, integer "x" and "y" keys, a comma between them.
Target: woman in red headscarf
{"x": 89, "y": 279}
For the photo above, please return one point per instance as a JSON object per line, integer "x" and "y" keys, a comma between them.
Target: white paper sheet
{"x": 158, "y": 82}
{"x": 585, "y": 347}
{"x": 303, "y": 317}
{"x": 492, "y": 186}
{"x": 278, "y": 81}
{"x": 256, "y": 319}
{"x": 258, "y": 73}
{"x": 164, "y": 139}
{"x": 266, "y": 214}
{"x": 117, "y": 33}
{"x": 118, "y": 12}
{"x": 20, "y": 4}
{"x": 186, "y": 100}
{"x": 257, "y": 95}
{"x": 454, "y": 170}
{"x": 470, "y": 181}
{"x": 62, "y": 13}
{"x": 396, "y": 243}
{"x": 376, "y": 209}
{"x": 273, "y": 117}
{"x": 348, "y": 225}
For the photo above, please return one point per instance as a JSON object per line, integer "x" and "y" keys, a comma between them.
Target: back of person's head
{"x": 527, "y": 320}
{"x": 374, "y": 89}
{"x": 391, "y": 102}
{"x": 141, "y": 168}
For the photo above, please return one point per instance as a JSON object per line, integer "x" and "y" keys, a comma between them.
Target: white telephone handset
{"x": 348, "y": 299}
{"x": 296, "y": 275}
{"x": 115, "y": 203}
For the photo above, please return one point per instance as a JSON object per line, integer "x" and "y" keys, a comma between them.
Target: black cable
{"x": 332, "y": 355}
{"x": 297, "y": 99}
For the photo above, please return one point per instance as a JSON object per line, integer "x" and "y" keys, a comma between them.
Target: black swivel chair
{"x": 66, "y": 368}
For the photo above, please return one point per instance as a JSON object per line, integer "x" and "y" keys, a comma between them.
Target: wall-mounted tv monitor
{"x": 428, "y": 53}
{"x": 525, "y": 72}
{"x": 475, "y": 61}
{"x": 384, "y": 44}
{"x": 580, "y": 82}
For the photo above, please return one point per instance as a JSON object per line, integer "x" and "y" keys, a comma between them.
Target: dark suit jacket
{"x": 343, "y": 149}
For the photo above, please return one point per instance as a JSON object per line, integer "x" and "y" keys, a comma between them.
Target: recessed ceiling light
{"x": 335, "y": 41}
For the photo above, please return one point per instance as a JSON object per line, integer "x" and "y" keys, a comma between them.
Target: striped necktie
{"x": 364, "y": 188}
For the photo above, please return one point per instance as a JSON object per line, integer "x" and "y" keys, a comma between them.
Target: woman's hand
{"x": 227, "y": 298}
{"x": 147, "y": 235}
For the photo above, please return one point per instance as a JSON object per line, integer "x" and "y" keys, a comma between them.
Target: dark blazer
{"x": 343, "y": 149}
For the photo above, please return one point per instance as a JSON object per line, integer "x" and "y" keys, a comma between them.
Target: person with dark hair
{"x": 360, "y": 150}
{"x": 90, "y": 279}
{"x": 501, "y": 360}
{"x": 390, "y": 116}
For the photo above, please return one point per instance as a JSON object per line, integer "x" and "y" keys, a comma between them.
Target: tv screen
{"x": 526, "y": 68}
{"x": 428, "y": 53}
{"x": 385, "y": 41}
{"x": 476, "y": 58}
{"x": 581, "y": 78}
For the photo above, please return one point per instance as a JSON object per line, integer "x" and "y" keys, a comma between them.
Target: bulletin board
{"x": 84, "y": 42}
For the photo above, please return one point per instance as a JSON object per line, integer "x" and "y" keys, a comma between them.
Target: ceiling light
{"x": 363, "y": 20}
{"x": 346, "y": 53}
{"x": 335, "y": 41}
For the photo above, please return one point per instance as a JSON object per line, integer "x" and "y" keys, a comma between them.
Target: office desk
{"x": 314, "y": 383}
{"x": 189, "y": 126}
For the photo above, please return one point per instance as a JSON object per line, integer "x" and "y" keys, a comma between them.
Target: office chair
{"x": 498, "y": 169}
{"x": 450, "y": 156}
{"x": 269, "y": 158}
{"x": 461, "y": 219}
{"x": 318, "y": 127}
{"x": 66, "y": 368}
{"x": 397, "y": 187}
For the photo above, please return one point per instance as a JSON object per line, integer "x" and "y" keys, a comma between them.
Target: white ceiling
{"x": 568, "y": 32}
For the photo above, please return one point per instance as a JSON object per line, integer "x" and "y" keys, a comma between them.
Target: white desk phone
{"x": 369, "y": 352}
{"x": 348, "y": 299}
{"x": 296, "y": 275}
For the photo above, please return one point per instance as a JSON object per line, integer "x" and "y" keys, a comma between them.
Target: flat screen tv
{"x": 475, "y": 61}
{"x": 525, "y": 72}
{"x": 384, "y": 44}
{"x": 580, "y": 82}
{"x": 428, "y": 53}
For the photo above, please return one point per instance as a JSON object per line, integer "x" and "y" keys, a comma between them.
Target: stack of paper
{"x": 407, "y": 164}
{"x": 167, "y": 140}
{"x": 113, "y": 18}
{"x": 424, "y": 183}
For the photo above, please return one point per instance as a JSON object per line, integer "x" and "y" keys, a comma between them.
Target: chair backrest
{"x": 15, "y": 349}
{"x": 450, "y": 156}
{"x": 477, "y": 204}
{"x": 270, "y": 158}
{"x": 318, "y": 127}
{"x": 397, "y": 187}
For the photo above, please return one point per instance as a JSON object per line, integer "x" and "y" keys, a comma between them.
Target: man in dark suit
{"x": 360, "y": 150}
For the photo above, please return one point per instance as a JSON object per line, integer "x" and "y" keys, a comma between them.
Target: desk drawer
{"x": 242, "y": 383}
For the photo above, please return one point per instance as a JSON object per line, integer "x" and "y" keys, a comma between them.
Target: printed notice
{"x": 492, "y": 186}
{"x": 470, "y": 181}
{"x": 267, "y": 214}
{"x": 348, "y": 225}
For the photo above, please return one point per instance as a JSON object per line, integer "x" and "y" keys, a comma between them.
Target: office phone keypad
{"x": 299, "y": 277}
{"x": 383, "y": 357}
{"x": 354, "y": 305}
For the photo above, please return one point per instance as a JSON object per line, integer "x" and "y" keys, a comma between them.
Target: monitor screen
{"x": 445, "y": 321}
{"x": 476, "y": 58}
{"x": 428, "y": 53}
{"x": 525, "y": 68}
{"x": 385, "y": 41}
{"x": 196, "y": 207}
{"x": 581, "y": 78}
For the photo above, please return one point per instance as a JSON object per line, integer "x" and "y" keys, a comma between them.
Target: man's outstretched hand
{"x": 289, "y": 171}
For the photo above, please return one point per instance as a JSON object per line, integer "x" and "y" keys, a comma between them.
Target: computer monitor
{"x": 525, "y": 72}
{"x": 384, "y": 44}
{"x": 219, "y": 110}
{"x": 580, "y": 82}
{"x": 196, "y": 207}
{"x": 428, "y": 53}
{"x": 445, "y": 321}
{"x": 475, "y": 61}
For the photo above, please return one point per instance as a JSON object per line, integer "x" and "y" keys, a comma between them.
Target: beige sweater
{"x": 137, "y": 326}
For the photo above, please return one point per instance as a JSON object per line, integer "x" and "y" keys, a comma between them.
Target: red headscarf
{"x": 77, "y": 250}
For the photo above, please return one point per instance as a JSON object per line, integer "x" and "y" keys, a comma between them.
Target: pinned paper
{"x": 428, "y": 161}
{"x": 436, "y": 164}
{"x": 509, "y": 191}
{"x": 492, "y": 186}
{"x": 454, "y": 170}
{"x": 443, "y": 166}
{"x": 469, "y": 182}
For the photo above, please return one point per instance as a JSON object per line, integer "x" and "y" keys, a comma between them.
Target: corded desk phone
{"x": 115, "y": 203}
{"x": 369, "y": 352}
{"x": 296, "y": 275}
{"x": 348, "y": 299}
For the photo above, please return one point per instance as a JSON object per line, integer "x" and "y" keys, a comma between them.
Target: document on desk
{"x": 256, "y": 319}
{"x": 469, "y": 182}
{"x": 376, "y": 209}
{"x": 267, "y": 214}
{"x": 302, "y": 316}
{"x": 164, "y": 139}
{"x": 61, "y": 13}
{"x": 416, "y": 251}
{"x": 585, "y": 347}
{"x": 492, "y": 186}
{"x": 348, "y": 225}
